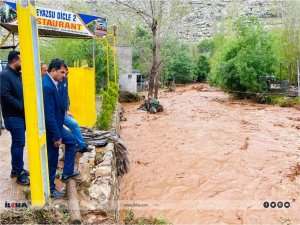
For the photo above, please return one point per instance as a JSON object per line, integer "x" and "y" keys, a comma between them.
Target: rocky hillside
{"x": 204, "y": 18}
{"x": 206, "y": 15}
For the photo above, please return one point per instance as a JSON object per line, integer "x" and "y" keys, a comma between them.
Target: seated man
{"x": 56, "y": 133}
{"x": 69, "y": 121}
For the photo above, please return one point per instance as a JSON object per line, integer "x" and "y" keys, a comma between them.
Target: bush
{"x": 246, "y": 60}
{"x": 202, "y": 68}
{"x": 109, "y": 100}
{"x": 283, "y": 101}
{"x": 130, "y": 218}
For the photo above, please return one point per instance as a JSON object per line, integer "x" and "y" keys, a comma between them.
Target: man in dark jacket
{"x": 56, "y": 134}
{"x": 13, "y": 113}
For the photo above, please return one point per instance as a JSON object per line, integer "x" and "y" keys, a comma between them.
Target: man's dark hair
{"x": 12, "y": 56}
{"x": 56, "y": 64}
{"x": 66, "y": 65}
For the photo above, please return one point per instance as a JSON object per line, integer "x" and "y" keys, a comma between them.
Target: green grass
{"x": 34, "y": 216}
{"x": 130, "y": 219}
{"x": 283, "y": 101}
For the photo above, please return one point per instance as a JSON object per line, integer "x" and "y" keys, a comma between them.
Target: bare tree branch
{"x": 159, "y": 16}
{"x": 134, "y": 8}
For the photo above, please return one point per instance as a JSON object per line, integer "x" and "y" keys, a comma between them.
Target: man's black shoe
{"x": 56, "y": 194}
{"x": 23, "y": 179}
{"x": 14, "y": 174}
{"x": 65, "y": 178}
{"x": 86, "y": 148}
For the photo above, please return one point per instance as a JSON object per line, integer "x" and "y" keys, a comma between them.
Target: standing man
{"x": 13, "y": 113}
{"x": 56, "y": 134}
{"x": 44, "y": 69}
{"x": 69, "y": 121}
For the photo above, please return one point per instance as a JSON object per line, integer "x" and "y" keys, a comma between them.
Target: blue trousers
{"x": 72, "y": 124}
{"x": 16, "y": 127}
{"x": 53, "y": 152}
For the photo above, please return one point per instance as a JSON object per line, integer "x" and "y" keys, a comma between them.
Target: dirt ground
{"x": 208, "y": 159}
{"x": 10, "y": 191}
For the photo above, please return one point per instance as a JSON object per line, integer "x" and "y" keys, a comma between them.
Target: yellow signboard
{"x": 33, "y": 101}
{"x": 82, "y": 95}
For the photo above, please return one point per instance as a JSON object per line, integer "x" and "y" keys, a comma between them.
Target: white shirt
{"x": 55, "y": 82}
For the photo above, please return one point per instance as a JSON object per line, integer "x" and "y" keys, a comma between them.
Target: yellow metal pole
{"x": 33, "y": 102}
{"x": 107, "y": 61}
{"x": 94, "y": 60}
{"x": 4, "y": 39}
{"x": 100, "y": 41}
{"x": 115, "y": 59}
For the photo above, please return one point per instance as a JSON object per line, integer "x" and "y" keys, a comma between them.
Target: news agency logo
{"x": 15, "y": 205}
{"x": 277, "y": 204}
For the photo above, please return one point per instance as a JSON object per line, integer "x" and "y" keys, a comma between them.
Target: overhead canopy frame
{"x": 58, "y": 24}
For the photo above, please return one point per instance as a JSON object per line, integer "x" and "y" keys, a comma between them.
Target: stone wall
{"x": 99, "y": 185}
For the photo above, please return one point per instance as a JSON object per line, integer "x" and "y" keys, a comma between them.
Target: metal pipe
{"x": 93, "y": 46}
{"x": 298, "y": 77}
{"x": 107, "y": 61}
{"x": 4, "y": 40}
{"x": 115, "y": 54}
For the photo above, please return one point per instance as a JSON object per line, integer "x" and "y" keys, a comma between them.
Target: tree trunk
{"x": 157, "y": 79}
{"x": 157, "y": 76}
{"x": 154, "y": 59}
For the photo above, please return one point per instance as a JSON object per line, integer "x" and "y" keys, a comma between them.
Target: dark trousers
{"x": 16, "y": 127}
{"x": 53, "y": 152}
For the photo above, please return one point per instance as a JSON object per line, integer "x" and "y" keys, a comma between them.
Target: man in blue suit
{"x": 69, "y": 120}
{"x": 56, "y": 134}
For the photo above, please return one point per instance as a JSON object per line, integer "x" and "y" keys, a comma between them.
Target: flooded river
{"x": 208, "y": 159}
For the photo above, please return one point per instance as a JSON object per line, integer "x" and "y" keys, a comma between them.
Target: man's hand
{"x": 57, "y": 143}
{"x": 69, "y": 113}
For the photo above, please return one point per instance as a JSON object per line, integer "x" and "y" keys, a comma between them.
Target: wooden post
{"x": 173, "y": 85}
{"x": 73, "y": 203}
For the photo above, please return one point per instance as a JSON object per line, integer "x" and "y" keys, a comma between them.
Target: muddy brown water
{"x": 211, "y": 160}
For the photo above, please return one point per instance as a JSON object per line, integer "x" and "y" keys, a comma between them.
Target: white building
{"x": 128, "y": 77}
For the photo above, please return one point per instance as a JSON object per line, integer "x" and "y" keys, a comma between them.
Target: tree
{"x": 206, "y": 47}
{"x": 287, "y": 41}
{"x": 292, "y": 31}
{"x": 178, "y": 62}
{"x": 247, "y": 60}
{"x": 142, "y": 50}
{"x": 159, "y": 17}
